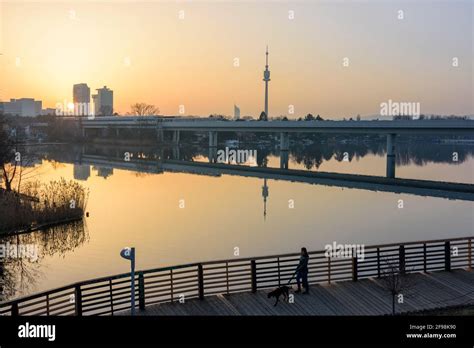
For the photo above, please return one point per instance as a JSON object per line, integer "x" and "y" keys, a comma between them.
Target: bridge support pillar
{"x": 284, "y": 158}
{"x": 176, "y": 152}
{"x": 391, "y": 155}
{"x": 160, "y": 136}
{"x": 213, "y": 155}
{"x": 284, "y": 141}
{"x": 212, "y": 139}
{"x": 176, "y": 136}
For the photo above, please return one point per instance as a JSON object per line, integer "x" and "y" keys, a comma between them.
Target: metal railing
{"x": 109, "y": 295}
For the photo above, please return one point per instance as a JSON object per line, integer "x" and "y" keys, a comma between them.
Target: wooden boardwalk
{"x": 364, "y": 297}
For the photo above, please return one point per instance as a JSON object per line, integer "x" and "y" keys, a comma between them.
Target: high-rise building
{"x": 96, "y": 104}
{"x": 104, "y": 102}
{"x": 81, "y": 93}
{"x": 81, "y": 96}
{"x": 38, "y": 107}
{"x": 236, "y": 112}
{"x": 22, "y": 107}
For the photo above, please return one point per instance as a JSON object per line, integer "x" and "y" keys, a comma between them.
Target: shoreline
{"x": 36, "y": 228}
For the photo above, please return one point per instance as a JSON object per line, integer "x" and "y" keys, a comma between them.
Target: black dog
{"x": 282, "y": 290}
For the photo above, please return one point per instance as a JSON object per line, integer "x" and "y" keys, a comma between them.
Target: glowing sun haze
{"x": 144, "y": 52}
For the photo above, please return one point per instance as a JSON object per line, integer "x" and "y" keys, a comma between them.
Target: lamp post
{"x": 129, "y": 254}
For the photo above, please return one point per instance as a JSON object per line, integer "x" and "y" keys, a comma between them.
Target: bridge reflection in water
{"x": 429, "y": 188}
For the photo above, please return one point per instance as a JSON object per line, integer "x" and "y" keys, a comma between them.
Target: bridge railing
{"x": 109, "y": 295}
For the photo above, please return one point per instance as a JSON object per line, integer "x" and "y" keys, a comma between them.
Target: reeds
{"x": 41, "y": 203}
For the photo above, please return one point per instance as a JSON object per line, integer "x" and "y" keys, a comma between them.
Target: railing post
{"x": 14, "y": 309}
{"x": 227, "y": 276}
{"x": 201, "y": 282}
{"x": 469, "y": 254}
{"x": 171, "y": 285}
{"x": 401, "y": 259}
{"x": 447, "y": 256}
{"x": 141, "y": 291}
{"x": 78, "y": 300}
{"x": 278, "y": 264}
{"x": 354, "y": 268}
{"x": 329, "y": 270}
{"x": 253, "y": 274}
{"x": 378, "y": 262}
{"x": 424, "y": 258}
{"x": 47, "y": 304}
{"x": 111, "y": 293}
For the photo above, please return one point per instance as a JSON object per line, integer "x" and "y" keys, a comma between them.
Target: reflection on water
{"x": 23, "y": 266}
{"x": 176, "y": 214}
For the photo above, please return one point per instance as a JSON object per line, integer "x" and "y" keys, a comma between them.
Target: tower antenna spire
{"x": 266, "y": 53}
{"x": 266, "y": 78}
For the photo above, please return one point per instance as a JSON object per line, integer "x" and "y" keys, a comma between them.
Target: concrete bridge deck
{"x": 364, "y": 297}
{"x": 360, "y": 127}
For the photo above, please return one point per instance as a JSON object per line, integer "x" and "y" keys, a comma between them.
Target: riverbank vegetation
{"x": 41, "y": 204}
{"x": 27, "y": 204}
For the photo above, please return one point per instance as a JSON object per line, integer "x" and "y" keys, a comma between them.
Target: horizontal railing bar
{"x": 216, "y": 292}
{"x": 231, "y": 275}
{"x": 34, "y": 310}
{"x": 67, "y": 305}
{"x": 150, "y": 287}
{"x": 29, "y": 304}
{"x": 230, "y": 270}
{"x": 161, "y": 281}
{"x": 107, "y": 291}
{"x": 105, "y": 285}
{"x": 168, "y": 282}
{"x": 64, "y": 312}
{"x": 220, "y": 287}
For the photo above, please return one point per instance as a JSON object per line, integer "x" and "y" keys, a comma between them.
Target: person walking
{"x": 302, "y": 272}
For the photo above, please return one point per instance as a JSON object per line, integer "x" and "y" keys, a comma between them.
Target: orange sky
{"x": 146, "y": 53}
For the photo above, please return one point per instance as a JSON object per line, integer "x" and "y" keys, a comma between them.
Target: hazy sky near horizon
{"x": 146, "y": 53}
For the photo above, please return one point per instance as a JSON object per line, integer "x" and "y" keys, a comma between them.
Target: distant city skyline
{"x": 204, "y": 60}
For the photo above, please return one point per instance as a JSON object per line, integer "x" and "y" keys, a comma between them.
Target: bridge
{"x": 439, "y": 273}
{"x": 284, "y": 128}
{"x": 347, "y": 127}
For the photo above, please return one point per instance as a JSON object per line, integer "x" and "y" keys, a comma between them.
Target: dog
{"x": 282, "y": 290}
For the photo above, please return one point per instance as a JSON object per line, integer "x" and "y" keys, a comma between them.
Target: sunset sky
{"x": 144, "y": 52}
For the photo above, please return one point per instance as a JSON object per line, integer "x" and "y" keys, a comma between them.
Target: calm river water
{"x": 179, "y": 217}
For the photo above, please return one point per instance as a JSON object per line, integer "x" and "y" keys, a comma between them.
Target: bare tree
{"x": 144, "y": 109}
{"x": 13, "y": 159}
{"x": 395, "y": 281}
{"x": 7, "y": 156}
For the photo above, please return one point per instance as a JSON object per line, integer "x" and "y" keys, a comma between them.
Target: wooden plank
{"x": 364, "y": 297}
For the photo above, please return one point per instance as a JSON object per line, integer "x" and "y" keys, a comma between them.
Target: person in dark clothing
{"x": 302, "y": 272}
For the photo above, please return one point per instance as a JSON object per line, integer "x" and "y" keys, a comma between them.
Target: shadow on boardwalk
{"x": 364, "y": 297}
